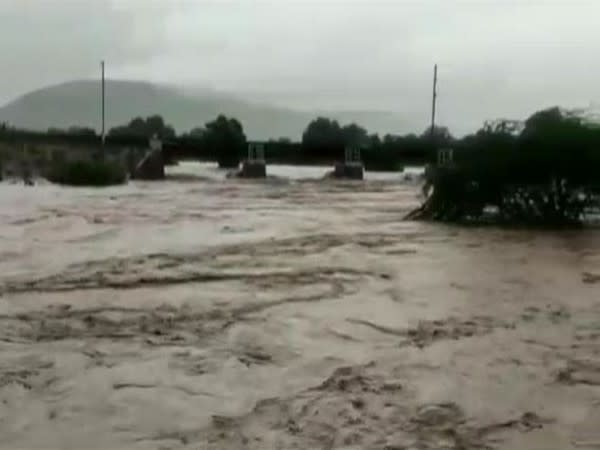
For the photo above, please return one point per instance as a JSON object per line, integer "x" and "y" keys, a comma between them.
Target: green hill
{"x": 78, "y": 103}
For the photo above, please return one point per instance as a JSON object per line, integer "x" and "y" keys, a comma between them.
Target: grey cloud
{"x": 497, "y": 57}
{"x": 49, "y": 41}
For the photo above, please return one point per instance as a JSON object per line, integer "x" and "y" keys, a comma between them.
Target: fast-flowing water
{"x": 204, "y": 312}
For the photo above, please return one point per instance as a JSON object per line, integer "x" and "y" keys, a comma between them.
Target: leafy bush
{"x": 547, "y": 173}
{"x": 88, "y": 173}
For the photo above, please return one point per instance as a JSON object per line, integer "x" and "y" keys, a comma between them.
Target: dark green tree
{"x": 439, "y": 138}
{"x": 374, "y": 141}
{"x": 323, "y": 135}
{"x": 355, "y": 136}
{"x": 197, "y": 132}
{"x": 225, "y": 138}
{"x": 139, "y": 127}
{"x": 81, "y": 131}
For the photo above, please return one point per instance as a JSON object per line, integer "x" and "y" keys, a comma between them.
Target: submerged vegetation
{"x": 545, "y": 171}
{"x": 87, "y": 173}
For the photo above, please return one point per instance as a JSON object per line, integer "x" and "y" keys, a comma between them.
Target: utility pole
{"x": 433, "y": 102}
{"x": 103, "y": 110}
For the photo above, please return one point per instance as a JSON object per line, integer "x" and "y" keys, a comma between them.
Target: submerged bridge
{"x": 33, "y": 153}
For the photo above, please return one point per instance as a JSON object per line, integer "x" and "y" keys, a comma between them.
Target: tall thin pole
{"x": 433, "y": 101}
{"x": 103, "y": 110}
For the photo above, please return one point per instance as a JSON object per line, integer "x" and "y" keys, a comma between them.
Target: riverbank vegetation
{"x": 545, "y": 171}
{"x": 95, "y": 173}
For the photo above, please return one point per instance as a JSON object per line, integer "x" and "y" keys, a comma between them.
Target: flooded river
{"x": 204, "y": 313}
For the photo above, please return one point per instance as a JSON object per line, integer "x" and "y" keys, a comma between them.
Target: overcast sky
{"x": 497, "y": 58}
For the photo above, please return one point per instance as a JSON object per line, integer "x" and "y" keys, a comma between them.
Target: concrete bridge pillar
{"x": 152, "y": 164}
{"x": 352, "y": 166}
{"x": 255, "y": 165}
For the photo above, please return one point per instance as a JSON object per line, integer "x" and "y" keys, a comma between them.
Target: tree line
{"x": 323, "y": 141}
{"x": 224, "y": 140}
{"x": 551, "y": 142}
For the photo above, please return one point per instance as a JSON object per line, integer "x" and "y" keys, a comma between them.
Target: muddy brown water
{"x": 293, "y": 314}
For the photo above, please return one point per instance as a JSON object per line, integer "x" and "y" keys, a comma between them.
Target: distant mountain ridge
{"x": 77, "y": 103}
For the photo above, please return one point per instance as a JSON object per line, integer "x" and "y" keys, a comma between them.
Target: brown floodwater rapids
{"x": 211, "y": 313}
